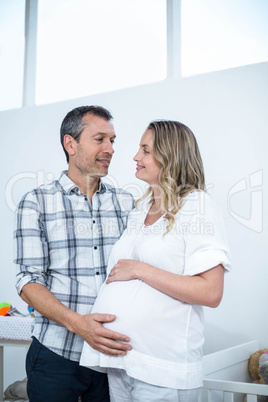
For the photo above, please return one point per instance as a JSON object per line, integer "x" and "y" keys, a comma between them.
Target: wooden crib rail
{"x": 222, "y": 370}
{"x": 229, "y": 388}
{"x": 217, "y": 361}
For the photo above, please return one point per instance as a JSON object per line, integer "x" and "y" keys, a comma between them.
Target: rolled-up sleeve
{"x": 31, "y": 255}
{"x": 206, "y": 244}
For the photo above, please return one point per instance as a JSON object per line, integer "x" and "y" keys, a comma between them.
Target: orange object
{"x": 4, "y": 308}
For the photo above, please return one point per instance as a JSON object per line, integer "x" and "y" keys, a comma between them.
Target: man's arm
{"x": 32, "y": 262}
{"x": 88, "y": 326}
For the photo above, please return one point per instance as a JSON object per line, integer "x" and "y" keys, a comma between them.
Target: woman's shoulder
{"x": 199, "y": 203}
{"x": 198, "y": 197}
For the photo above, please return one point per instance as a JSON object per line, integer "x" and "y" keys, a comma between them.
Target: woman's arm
{"x": 205, "y": 289}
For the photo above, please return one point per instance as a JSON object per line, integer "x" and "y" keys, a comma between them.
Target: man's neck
{"x": 87, "y": 184}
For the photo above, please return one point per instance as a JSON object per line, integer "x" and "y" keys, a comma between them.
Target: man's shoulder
{"x": 42, "y": 191}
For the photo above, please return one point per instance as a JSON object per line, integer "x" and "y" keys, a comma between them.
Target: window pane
{"x": 220, "y": 34}
{"x": 87, "y": 46}
{"x": 11, "y": 53}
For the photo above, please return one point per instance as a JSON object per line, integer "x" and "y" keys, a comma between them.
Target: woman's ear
{"x": 70, "y": 144}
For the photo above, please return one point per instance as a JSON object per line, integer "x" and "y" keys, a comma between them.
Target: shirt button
{"x": 95, "y": 247}
{"x": 94, "y": 221}
{"x": 97, "y": 273}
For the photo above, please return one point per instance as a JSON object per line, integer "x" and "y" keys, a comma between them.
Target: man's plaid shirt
{"x": 63, "y": 242}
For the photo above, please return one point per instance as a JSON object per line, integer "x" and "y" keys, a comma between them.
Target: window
{"x": 87, "y": 46}
{"x": 11, "y": 53}
{"x": 223, "y": 34}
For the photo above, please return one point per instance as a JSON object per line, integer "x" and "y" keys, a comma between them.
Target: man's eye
{"x": 99, "y": 139}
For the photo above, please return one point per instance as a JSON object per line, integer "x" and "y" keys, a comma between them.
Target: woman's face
{"x": 148, "y": 168}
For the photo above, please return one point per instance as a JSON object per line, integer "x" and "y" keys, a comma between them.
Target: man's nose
{"x": 108, "y": 147}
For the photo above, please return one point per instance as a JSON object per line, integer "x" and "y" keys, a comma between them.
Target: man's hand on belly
{"x": 90, "y": 328}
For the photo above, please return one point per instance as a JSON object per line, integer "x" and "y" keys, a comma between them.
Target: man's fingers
{"x": 112, "y": 335}
{"x": 112, "y": 348}
{"x": 113, "y": 344}
{"x": 108, "y": 333}
{"x": 110, "y": 352}
{"x": 103, "y": 317}
{"x": 112, "y": 339}
{"x": 103, "y": 339}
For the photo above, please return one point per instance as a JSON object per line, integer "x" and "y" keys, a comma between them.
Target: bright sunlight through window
{"x": 220, "y": 34}
{"x": 11, "y": 53}
{"x": 87, "y": 47}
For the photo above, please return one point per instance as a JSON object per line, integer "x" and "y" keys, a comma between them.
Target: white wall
{"x": 227, "y": 111}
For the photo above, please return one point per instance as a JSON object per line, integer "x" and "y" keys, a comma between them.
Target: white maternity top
{"x": 166, "y": 334}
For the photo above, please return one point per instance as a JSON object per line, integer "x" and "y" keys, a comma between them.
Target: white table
{"x": 14, "y": 331}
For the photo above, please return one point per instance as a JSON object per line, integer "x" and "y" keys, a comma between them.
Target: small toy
{"x": 263, "y": 367}
{"x": 31, "y": 311}
{"x": 4, "y": 308}
{"x": 7, "y": 310}
{"x": 258, "y": 370}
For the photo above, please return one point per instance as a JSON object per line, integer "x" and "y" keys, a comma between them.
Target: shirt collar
{"x": 70, "y": 187}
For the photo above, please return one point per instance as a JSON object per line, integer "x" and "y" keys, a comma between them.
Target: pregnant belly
{"x": 144, "y": 314}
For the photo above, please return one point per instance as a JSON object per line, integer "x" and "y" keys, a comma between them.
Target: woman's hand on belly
{"x": 124, "y": 270}
{"x": 203, "y": 289}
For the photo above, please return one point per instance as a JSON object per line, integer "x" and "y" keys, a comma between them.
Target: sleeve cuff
{"x": 28, "y": 279}
{"x": 205, "y": 260}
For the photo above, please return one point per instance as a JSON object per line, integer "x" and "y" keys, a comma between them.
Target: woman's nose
{"x": 136, "y": 157}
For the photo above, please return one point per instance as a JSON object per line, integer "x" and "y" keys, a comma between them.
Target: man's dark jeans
{"x": 56, "y": 379}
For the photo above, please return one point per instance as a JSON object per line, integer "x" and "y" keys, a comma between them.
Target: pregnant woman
{"x": 169, "y": 262}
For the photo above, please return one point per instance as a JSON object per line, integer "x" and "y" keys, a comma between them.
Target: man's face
{"x": 94, "y": 150}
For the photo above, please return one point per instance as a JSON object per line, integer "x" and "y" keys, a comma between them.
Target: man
{"x": 65, "y": 231}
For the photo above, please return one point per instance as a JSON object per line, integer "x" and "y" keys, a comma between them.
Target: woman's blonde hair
{"x": 182, "y": 171}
